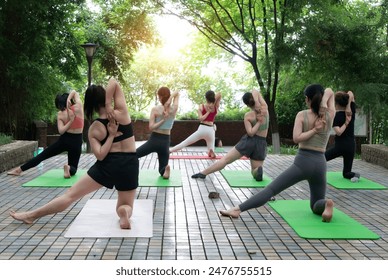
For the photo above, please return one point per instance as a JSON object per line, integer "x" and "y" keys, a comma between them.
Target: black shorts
{"x": 119, "y": 170}
{"x": 254, "y": 147}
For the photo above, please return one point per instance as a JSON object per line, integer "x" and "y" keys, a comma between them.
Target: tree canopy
{"x": 285, "y": 45}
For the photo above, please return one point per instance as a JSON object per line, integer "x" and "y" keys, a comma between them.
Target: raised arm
{"x": 218, "y": 97}
{"x": 119, "y": 110}
{"x": 328, "y": 103}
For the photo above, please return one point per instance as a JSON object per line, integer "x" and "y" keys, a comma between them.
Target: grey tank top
{"x": 320, "y": 139}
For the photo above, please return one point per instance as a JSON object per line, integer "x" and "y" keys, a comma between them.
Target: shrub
{"x": 5, "y": 139}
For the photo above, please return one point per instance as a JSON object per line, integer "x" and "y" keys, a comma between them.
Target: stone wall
{"x": 376, "y": 154}
{"x": 16, "y": 153}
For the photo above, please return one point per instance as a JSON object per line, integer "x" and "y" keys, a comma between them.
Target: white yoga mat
{"x": 99, "y": 219}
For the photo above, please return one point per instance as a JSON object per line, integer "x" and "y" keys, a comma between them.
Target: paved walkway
{"x": 186, "y": 222}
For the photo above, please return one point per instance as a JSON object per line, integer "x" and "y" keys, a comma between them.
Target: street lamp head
{"x": 90, "y": 49}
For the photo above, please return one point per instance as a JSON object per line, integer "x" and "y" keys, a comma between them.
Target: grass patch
{"x": 284, "y": 150}
{"x": 5, "y": 139}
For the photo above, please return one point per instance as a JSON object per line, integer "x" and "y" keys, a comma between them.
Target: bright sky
{"x": 174, "y": 32}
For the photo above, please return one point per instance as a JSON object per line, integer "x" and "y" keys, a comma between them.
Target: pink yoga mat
{"x": 197, "y": 157}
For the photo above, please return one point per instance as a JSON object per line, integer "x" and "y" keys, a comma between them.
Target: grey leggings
{"x": 308, "y": 165}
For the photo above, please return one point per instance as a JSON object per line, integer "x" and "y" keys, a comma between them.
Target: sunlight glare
{"x": 175, "y": 34}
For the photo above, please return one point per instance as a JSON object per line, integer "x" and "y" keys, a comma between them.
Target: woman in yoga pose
{"x": 206, "y": 130}
{"x": 112, "y": 142}
{"x": 311, "y": 132}
{"x": 343, "y": 125}
{"x": 253, "y": 144}
{"x": 70, "y": 123}
{"x": 161, "y": 121}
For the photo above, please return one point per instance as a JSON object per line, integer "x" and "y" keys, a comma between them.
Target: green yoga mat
{"x": 54, "y": 179}
{"x": 336, "y": 180}
{"x": 244, "y": 179}
{"x": 298, "y": 215}
{"x": 152, "y": 178}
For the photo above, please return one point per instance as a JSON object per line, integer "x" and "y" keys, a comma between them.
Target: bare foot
{"x": 232, "y": 212}
{"x": 166, "y": 173}
{"x": 66, "y": 171}
{"x": 327, "y": 215}
{"x": 24, "y": 217}
{"x": 15, "y": 172}
{"x": 211, "y": 154}
{"x": 124, "y": 217}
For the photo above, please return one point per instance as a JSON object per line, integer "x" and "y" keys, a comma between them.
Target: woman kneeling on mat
{"x": 161, "y": 121}
{"x": 70, "y": 122}
{"x": 344, "y": 141}
{"x": 311, "y": 131}
{"x": 253, "y": 144}
{"x": 206, "y": 130}
{"x": 112, "y": 142}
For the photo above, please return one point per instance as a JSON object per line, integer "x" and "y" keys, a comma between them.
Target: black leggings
{"x": 67, "y": 142}
{"x": 308, "y": 165}
{"x": 160, "y": 144}
{"x": 346, "y": 149}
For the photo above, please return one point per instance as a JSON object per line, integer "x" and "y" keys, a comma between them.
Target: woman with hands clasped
{"x": 70, "y": 123}
{"x": 161, "y": 121}
{"x": 253, "y": 144}
{"x": 344, "y": 141}
{"x": 311, "y": 132}
{"x": 112, "y": 142}
{"x": 206, "y": 130}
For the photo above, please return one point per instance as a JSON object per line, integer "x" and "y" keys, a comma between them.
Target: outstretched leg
{"x": 230, "y": 157}
{"x": 124, "y": 207}
{"x": 82, "y": 187}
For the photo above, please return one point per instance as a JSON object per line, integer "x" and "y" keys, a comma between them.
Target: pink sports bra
{"x": 78, "y": 122}
{"x": 211, "y": 116}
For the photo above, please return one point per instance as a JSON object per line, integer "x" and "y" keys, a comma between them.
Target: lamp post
{"x": 90, "y": 49}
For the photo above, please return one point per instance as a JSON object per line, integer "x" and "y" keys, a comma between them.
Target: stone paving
{"x": 186, "y": 224}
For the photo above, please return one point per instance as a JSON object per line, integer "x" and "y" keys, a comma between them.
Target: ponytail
{"x": 94, "y": 100}
{"x": 314, "y": 93}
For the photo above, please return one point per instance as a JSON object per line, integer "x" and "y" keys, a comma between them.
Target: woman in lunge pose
{"x": 206, "y": 115}
{"x": 253, "y": 144}
{"x": 311, "y": 132}
{"x": 161, "y": 121}
{"x": 70, "y": 123}
{"x": 112, "y": 142}
{"x": 343, "y": 125}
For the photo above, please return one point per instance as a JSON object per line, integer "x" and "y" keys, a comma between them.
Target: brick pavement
{"x": 186, "y": 222}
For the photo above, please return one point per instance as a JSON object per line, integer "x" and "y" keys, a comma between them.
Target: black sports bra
{"x": 126, "y": 130}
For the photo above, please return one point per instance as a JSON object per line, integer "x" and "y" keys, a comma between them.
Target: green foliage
{"x": 136, "y": 115}
{"x": 224, "y": 115}
{"x": 286, "y": 150}
{"x": 34, "y": 59}
{"x": 192, "y": 115}
{"x": 5, "y": 139}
